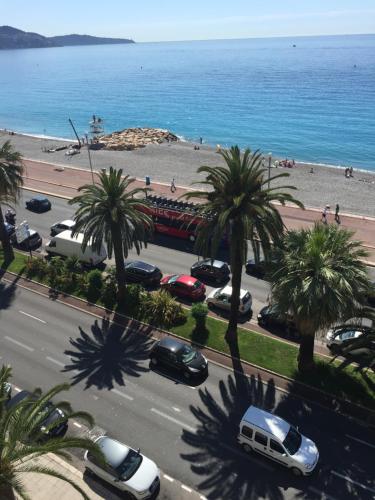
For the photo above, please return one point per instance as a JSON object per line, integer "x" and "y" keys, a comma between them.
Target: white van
{"x": 273, "y": 437}
{"x": 67, "y": 246}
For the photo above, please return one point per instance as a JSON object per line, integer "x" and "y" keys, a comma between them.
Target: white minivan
{"x": 66, "y": 245}
{"x": 276, "y": 439}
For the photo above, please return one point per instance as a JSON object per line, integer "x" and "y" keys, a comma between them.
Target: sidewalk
{"x": 61, "y": 180}
{"x": 44, "y": 487}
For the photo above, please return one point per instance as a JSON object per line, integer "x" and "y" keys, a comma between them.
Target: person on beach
{"x": 173, "y": 186}
{"x": 200, "y": 140}
{"x": 351, "y": 171}
{"x": 311, "y": 170}
{"x": 337, "y": 214}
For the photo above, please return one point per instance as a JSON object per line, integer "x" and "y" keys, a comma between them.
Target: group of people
{"x": 287, "y": 163}
{"x": 349, "y": 172}
{"x": 337, "y": 214}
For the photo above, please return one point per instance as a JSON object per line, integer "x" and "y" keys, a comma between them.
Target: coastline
{"x": 162, "y": 162}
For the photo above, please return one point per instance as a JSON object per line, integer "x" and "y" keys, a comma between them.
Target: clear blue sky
{"x": 158, "y": 20}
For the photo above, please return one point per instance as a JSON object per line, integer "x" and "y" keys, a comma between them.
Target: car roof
{"x": 186, "y": 279}
{"x": 32, "y": 232}
{"x": 227, "y": 290}
{"x": 66, "y": 222}
{"x": 267, "y": 421}
{"x": 214, "y": 263}
{"x": 139, "y": 264}
{"x": 40, "y": 197}
{"x": 171, "y": 344}
{"x": 113, "y": 451}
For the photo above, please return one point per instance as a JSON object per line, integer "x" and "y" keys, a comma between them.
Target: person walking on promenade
{"x": 173, "y": 186}
{"x": 324, "y": 215}
{"x": 337, "y": 214}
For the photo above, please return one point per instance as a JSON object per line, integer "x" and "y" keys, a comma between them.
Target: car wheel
{"x": 247, "y": 448}
{"x": 296, "y": 472}
{"x": 154, "y": 361}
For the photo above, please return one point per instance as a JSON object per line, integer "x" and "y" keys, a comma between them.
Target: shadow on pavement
{"x": 7, "y": 290}
{"x": 109, "y": 352}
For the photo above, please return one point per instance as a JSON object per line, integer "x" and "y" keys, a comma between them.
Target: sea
{"x": 307, "y": 98}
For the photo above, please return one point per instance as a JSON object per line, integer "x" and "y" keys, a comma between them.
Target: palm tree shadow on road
{"x": 109, "y": 353}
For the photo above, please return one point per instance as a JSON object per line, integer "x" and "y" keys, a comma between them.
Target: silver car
{"x": 125, "y": 468}
{"x": 221, "y": 297}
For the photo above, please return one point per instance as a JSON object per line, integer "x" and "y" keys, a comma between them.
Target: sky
{"x": 170, "y": 20}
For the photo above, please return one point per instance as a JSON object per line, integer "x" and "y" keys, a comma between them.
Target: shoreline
{"x": 187, "y": 142}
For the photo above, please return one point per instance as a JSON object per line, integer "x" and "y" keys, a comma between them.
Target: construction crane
{"x": 74, "y": 130}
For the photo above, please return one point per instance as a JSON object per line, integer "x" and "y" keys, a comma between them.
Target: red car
{"x": 183, "y": 286}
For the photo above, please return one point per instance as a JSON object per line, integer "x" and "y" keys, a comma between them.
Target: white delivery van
{"x": 276, "y": 439}
{"x": 66, "y": 245}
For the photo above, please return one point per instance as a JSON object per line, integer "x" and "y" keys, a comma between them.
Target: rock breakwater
{"x": 134, "y": 138}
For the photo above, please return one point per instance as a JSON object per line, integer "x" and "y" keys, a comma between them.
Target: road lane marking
{"x": 60, "y": 363}
{"x": 202, "y": 497}
{"x": 360, "y": 441}
{"x": 31, "y": 316}
{"x": 17, "y": 389}
{"x": 178, "y": 422}
{"x": 168, "y": 478}
{"x": 321, "y": 494}
{"x": 186, "y": 488}
{"x": 350, "y": 480}
{"x": 20, "y": 344}
{"x": 176, "y": 409}
{"x": 123, "y": 395}
{"x": 77, "y": 425}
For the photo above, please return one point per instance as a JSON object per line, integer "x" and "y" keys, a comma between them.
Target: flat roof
{"x": 67, "y": 235}
{"x": 267, "y": 421}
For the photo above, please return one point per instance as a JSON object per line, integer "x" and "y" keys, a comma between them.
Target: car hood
{"x": 308, "y": 452}
{"x": 199, "y": 362}
{"x": 144, "y": 476}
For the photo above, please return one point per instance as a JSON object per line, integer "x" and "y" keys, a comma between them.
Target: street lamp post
{"x": 89, "y": 154}
{"x": 269, "y": 168}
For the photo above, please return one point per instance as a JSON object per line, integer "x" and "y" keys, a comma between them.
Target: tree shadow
{"x": 200, "y": 335}
{"x": 226, "y": 471}
{"x": 7, "y": 291}
{"x": 110, "y": 352}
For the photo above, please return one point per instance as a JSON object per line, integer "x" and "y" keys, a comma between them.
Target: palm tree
{"x": 11, "y": 171}
{"x": 110, "y": 212}
{"x": 240, "y": 205}
{"x": 321, "y": 280}
{"x": 21, "y": 438}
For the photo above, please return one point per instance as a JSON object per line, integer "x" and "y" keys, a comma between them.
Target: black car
{"x": 256, "y": 268}
{"x": 269, "y": 317}
{"x": 52, "y": 414}
{"x": 39, "y": 204}
{"x": 141, "y": 272}
{"x": 9, "y": 228}
{"x": 175, "y": 354}
{"x": 32, "y": 242}
{"x": 212, "y": 270}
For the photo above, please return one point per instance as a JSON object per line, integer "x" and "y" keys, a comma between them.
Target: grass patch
{"x": 17, "y": 265}
{"x": 281, "y": 358}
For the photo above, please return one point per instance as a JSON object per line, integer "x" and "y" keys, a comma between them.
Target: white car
{"x": 221, "y": 297}
{"x": 126, "y": 469}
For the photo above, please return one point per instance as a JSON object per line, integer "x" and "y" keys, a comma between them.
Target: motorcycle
{"x": 10, "y": 217}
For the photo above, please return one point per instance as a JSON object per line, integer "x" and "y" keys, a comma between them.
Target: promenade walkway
{"x": 61, "y": 180}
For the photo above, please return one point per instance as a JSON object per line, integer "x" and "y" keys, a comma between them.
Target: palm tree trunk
{"x": 4, "y": 238}
{"x": 236, "y": 268}
{"x": 120, "y": 265}
{"x": 306, "y": 347}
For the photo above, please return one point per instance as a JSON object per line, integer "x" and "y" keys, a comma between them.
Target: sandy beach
{"x": 326, "y": 186}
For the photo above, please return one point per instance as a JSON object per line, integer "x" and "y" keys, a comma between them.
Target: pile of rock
{"x": 134, "y": 138}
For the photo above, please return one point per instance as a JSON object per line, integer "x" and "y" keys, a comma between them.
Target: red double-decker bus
{"x": 172, "y": 217}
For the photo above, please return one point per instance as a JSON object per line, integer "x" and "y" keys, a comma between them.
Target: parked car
{"x": 64, "y": 225}
{"x": 275, "y": 438}
{"x": 221, "y": 297}
{"x": 183, "y": 286}
{"x": 177, "y": 355}
{"x": 269, "y": 317}
{"x": 212, "y": 270}
{"x": 142, "y": 272}
{"x": 9, "y": 228}
{"x": 52, "y": 414}
{"x": 125, "y": 468}
{"x": 339, "y": 337}
{"x": 38, "y": 203}
{"x": 254, "y": 268}
{"x": 32, "y": 242}
{"x": 65, "y": 245}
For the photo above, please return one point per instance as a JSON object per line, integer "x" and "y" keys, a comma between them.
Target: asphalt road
{"x": 189, "y": 431}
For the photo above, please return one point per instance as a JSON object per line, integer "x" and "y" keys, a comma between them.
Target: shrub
{"x": 109, "y": 291}
{"x": 94, "y": 285}
{"x": 133, "y": 300}
{"x": 162, "y": 310}
{"x": 199, "y": 312}
{"x": 36, "y": 266}
{"x": 72, "y": 265}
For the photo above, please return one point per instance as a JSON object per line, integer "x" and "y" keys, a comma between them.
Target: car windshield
{"x": 129, "y": 466}
{"x": 173, "y": 278}
{"x": 292, "y": 441}
{"x": 197, "y": 284}
{"x": 246, "y": 298}
{"x": 187, "y": 354}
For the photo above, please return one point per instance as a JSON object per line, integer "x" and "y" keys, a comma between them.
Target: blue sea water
{"x": 312, "y": 102}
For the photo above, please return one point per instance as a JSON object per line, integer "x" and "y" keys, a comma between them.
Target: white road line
{"x": 60, "y": 363}
{"x": 77, "y": 425}
{"x": 31, "y": 316}
{"x": 168, "y": 478}
{"x": 360, "y": 441}
{"x": 202, "y": 497}
{"x": 17, "y": 389}
{"x": 20, "y": 344}
{"x": 350, "y": 480}
{"x": 123, "y": 395}
{"x": 178, "y": 422}
{"x": 186, "y": 488}
{"x": 321, "y": 494}
{"x": 176, "y": 409}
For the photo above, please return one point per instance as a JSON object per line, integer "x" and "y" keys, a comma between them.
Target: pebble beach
{"x": 327, "y": 185}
